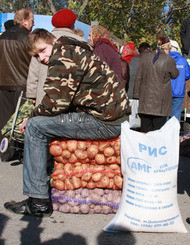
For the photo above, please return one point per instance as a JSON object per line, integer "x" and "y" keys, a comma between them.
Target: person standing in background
{"x": 8, "y": 24}
{"x": 127, "y": 54}
{"x": 185, "y": 37}
{"x": 178, "y": 84}
{"x": 14, "y": 63}
{"x": 104, "y": 47}
{"x": 153, "y": 86}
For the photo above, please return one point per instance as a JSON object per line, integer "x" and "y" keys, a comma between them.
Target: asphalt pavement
{"x": 75, "y": 229}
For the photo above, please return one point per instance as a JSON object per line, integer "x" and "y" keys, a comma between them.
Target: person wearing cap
{"x": 84, "y": 99}
{"x": 178, "y": 84}
{"x": 153, "y": 86}
{"x": 63, "y": 22}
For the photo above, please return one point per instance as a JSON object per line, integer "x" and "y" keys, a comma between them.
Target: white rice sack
{"x": 149, "y": 164}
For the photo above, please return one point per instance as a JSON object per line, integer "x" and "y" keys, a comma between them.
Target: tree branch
{"x": 83, "y": 6}
{"x": 52, "y": 7}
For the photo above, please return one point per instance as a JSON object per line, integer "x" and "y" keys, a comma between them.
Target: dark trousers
{"x": 151, "y": 122}
{"x": 8, "y": 102}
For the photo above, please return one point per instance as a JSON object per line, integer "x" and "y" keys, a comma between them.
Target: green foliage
{"x": 130, "y": 20}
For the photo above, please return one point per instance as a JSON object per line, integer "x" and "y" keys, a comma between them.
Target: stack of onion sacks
{"x": 86, "y": 164}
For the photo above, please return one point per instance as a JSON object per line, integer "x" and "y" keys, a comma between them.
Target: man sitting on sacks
{"x": 83, "y": 99}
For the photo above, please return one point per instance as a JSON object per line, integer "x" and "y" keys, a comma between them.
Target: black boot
{"x": 31, "y": 206}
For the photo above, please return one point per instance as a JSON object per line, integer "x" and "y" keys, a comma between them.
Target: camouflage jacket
{"x": 80, "y": 81}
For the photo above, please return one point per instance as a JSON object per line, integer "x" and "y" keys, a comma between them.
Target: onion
{"x": 75, "y": 209}
{"x": 80, "y": 154}
{"x": 104, "y": 181}
{"x": 72, "y": 159}
{"x": 54, "y": 142}
{"x": 109, "y": 151}
{"x": 70, "y": 193}
{"x": 55, "y": 150}
{"x": 82, "y": 145}
{"x": 59, "y": 159}
{"x": 98, "y": 209}
{"x": 78, "y": 171}
{"x": 63, "y": 145}
{"x": 84, "y": 208}
{"x": 66, "y": 154}
{"x": 92, "y": 151}
{"x": 65, "y": 208}
{"x": 103, "y": 199}
{"x": 106, "y": 209}
{"x": 94, "y": 197}
{"x": 61, "y": 177}
{"x": 117, "y": 148}
{"x": 100, "y": 159}
{"x": 98, "y": 191}
{"x": 118, "y": 160}
{"x": 111, "y": 160}
{"x": 68, "y": 168}
{"x": 59, "y": 165}
{"x": 103, "y": 145}
{"x": 59, "y": 185}
{"x": 76, "y": 182}
{"x": 83, "y": 184}
{"x": 86, "y": 177}
{"x": 118, "y": 180}
{"x": 111, "y": 184}
{"x": 68, "y": 185}
{"x": 72, "y": 145}
{"x": 96, "y": 177}
{"x": 90, "y": 185}
{"x": 84, "y": 193}
{"x": 114, "y": 166}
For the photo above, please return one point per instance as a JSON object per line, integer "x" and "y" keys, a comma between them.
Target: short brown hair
{"x": 22, "y": 14}
{"x": 35, "y": 37}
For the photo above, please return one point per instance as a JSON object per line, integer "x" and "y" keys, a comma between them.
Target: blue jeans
{"x": 39, "y": 130}
{"x": 177, "y": 103}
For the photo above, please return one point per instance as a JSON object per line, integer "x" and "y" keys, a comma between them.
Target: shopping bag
{"x": 149, "y": 164}
{"x": 24, "y": 111}
{"x": 134, "y": 119}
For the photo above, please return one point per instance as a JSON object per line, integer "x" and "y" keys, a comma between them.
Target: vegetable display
{"x": 94, "y": 152}
{"x": 86, "y": 201}
{"x": 80, "y": 175}
{"x": 87, "y": 176}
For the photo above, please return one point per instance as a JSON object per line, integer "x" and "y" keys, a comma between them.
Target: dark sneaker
{"x": 30, "y": 207}
{"x": 17, "y": 207}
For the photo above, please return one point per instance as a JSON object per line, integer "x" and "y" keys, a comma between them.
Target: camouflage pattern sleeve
{"x": 60, "y": 86}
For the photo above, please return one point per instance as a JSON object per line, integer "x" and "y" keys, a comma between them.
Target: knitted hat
{"x": 64, "y": 18}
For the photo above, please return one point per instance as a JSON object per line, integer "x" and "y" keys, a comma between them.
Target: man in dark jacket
{"x": 185, "y": 37}
{"x": 84, "y": 99}
{"x": 153, "y": 86}
{"x": 14, "y": 63}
